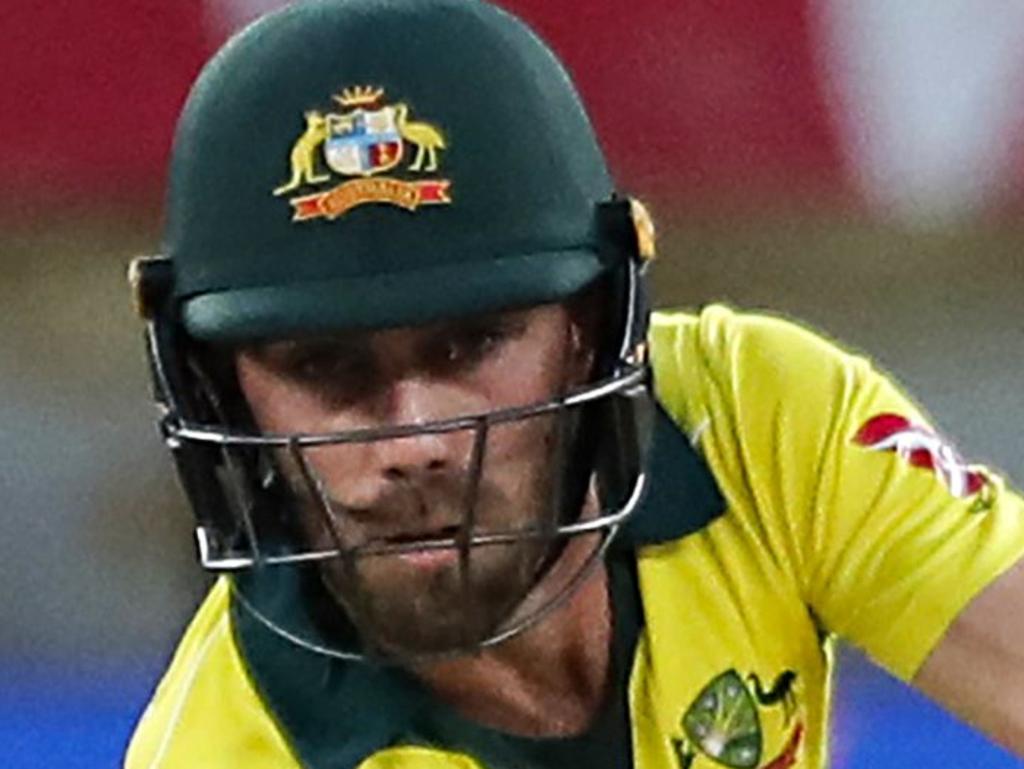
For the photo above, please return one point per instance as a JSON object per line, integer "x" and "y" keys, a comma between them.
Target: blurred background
{"x": 856, "y": 165}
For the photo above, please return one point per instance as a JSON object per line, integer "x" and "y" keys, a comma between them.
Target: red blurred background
{"x": 719, "y": 103}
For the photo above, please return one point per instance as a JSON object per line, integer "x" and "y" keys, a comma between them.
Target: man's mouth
{"x": 422, "y": 555}
{"x": 435, "y": 536}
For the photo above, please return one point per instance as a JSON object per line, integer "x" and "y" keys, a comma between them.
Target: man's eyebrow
{"x": 507, "y": 320}
{"x": 283, "y": 349}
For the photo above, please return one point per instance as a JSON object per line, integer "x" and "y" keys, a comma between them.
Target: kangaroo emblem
{"x": 304, "y": 151}
{"x": 780, "y": 691}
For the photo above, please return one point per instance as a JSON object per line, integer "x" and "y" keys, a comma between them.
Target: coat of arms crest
{"x": 365, "y": 140}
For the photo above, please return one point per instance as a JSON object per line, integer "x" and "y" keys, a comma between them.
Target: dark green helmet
{"x": 372, "y": 162}
{"x": 363, "y": 164}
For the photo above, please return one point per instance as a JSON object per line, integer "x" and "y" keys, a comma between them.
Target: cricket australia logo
{"x": 725, "y": 724}
{"x": 920, "y": 447}
{"x": 367, "y": 139}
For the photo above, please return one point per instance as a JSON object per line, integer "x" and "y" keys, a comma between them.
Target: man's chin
{"x": 461, "y": 636}
{"x": 397, "y": 629}
{"x": 420, "y": 606}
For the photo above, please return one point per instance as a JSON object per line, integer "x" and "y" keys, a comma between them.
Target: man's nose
{"x": 416, "y": 401}
{"x": 359, "y": 475}
{"x": 413, "y": 458}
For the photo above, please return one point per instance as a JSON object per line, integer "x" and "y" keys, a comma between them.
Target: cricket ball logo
{"x": 922, "y": 448}
{"x": 366, "y": 139}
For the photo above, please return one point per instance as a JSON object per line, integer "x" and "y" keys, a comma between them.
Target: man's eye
{"x": 324, "y": 368}
{"x": 469, "y": 346}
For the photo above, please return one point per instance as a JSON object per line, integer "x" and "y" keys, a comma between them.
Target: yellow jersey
{"x": 796, "y": 495}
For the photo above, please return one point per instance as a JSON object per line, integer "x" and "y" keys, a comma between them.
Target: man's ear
{"x": 582, "y": 352}
{"x": 587, "y": 319}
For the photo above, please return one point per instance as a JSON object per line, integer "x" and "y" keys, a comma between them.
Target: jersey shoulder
{"x": 832, "y": 472}
{"x": 205, "y": 711}
{"x": 719, "y": 362}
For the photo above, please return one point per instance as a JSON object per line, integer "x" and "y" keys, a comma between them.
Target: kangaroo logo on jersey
{"x": 925, "y": 449}
{"x": 724, "y": 722}
{"x": 368, "y": 138}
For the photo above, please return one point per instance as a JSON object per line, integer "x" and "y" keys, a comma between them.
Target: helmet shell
{"x": 463, "y": 88}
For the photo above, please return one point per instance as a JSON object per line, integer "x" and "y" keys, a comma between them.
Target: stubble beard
{"x": 404, "y": 612}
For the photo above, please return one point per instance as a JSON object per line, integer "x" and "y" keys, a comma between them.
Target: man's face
{"x": 421, "y": 487}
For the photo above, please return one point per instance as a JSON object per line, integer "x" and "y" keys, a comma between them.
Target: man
{"x": 405, "y": 368}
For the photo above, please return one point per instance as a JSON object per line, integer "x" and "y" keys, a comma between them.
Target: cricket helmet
{"x": 369, "y": 164}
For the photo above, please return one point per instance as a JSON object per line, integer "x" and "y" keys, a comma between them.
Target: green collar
{"x": 335, "y": 713}
{"x": 682, "y": 495}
